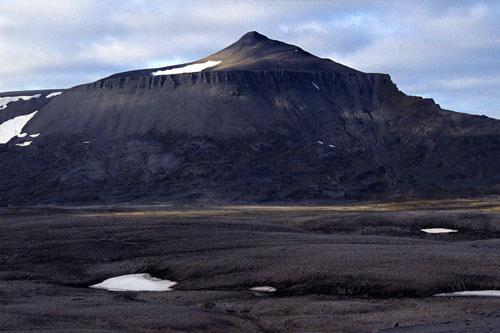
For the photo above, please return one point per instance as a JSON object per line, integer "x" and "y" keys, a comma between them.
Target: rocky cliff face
{"x": 216, "y": 104}
{"x": 269, "y": 122}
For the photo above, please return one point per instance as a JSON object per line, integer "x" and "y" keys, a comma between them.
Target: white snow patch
{"x": 54, "y": 94}
{"x": 187, "y": 69}
{"x": 315, "y": 86}
{"x": 438, "y": 230}
{"x": 263, "y": 289}
{"x": 34, "y": 135}
{"x": 4, "y": 101}
{"x": 331, "y": 146}
{"x": 14, "y": 127}
{"x": 320, "y": 142}
{"x": 24, "y": 144}
{"x": 477, "y": 293}
{"x": 135, "y": 282}
{"x": 86, "y": 142}
{"x": 22, "y": 135}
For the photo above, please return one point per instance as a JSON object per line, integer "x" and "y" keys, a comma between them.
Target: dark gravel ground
{"x": 358, "y": 268}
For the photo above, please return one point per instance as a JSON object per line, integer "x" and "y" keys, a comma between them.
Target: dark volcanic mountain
{"x": 260, "y": 120}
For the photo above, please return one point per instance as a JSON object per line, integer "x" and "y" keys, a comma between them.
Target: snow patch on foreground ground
{"x": 263, "y": 289}
{"x": 187, "y": 69}
{"x": 54, "y": 94}
{"x": 135, "y": 282}
{"x": 438, "y": 231}
{"x": 477, "y": 293}
{"x": 4, "y": 101}
{"x": 14, "y": 127}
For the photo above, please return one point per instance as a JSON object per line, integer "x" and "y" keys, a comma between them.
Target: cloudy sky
{"x": 447, "y": 50}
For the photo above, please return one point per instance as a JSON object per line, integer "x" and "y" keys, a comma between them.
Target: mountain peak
{"x": 253, "y": 35}
{"x": 255, "y": 51}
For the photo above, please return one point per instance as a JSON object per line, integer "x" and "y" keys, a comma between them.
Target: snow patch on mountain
{"x": 24, "y": 144}
{"x": 14, "y": 127}
{"x": 4, "y": 101}
{"x": 187, "y": 69}
{"x": 54, "y": 94}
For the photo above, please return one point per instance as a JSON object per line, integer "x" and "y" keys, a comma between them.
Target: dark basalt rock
{"x": 271, "y": 122}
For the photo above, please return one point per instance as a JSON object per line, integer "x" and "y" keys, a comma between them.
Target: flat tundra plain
{"x": 338, "y": 268}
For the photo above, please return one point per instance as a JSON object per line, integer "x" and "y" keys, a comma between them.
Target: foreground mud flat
{"x": 343, "y": 268}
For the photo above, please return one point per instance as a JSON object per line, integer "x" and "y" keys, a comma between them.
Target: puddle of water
{"x": 476, "y": 293}
{"x": 135, "y": 282}
{"x": 438, "y": 230}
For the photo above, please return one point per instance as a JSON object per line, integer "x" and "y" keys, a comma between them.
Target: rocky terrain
{"x": 343, "y": 268}
{"x": 264, "y": 121}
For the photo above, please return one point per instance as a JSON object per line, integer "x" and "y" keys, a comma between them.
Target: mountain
{"x": 259, "y": 121}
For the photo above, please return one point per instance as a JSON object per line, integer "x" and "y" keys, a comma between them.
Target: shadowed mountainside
{"x": 269, "y": 122}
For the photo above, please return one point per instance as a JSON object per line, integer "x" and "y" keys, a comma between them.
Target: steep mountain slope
{"x": 262, "y": 121}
